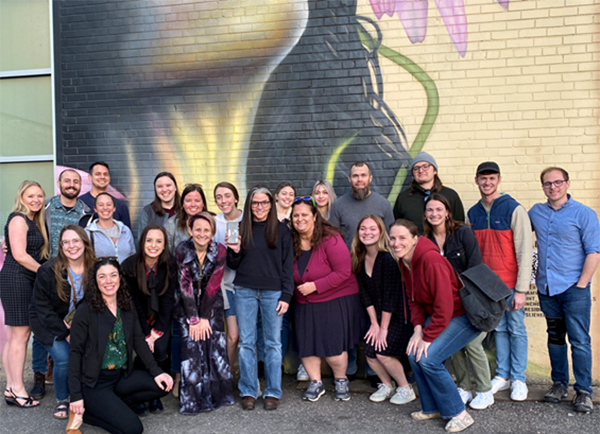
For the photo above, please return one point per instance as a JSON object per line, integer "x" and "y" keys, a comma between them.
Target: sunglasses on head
{"x": 306, "y": 199}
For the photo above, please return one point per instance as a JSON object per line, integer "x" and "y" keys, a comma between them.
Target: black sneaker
{"x": 341, "y": 389}
{"x": 39, "y": 386}
{"x": 556, "y": 393}
{"x": 582, "y": 403}
{"x": 315, "y": 391}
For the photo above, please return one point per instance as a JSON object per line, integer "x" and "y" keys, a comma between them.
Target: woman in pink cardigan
{"x": 328, "y": 316}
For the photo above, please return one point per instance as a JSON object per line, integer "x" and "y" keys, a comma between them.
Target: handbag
{"x": 484, "y": 297}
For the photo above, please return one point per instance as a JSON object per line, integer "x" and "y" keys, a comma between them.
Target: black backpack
{"x": 484, "y": 297}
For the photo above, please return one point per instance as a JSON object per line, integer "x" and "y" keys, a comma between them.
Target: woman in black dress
{"x": 151, "y": 277}
{"x": 105, "y": 332}
{"x": 206, "y": 381}
{"x": 27, "y": 245}
{"x": 381, "y": 291}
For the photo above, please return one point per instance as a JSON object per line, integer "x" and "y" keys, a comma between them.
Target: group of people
{"x": 321, "y": 273}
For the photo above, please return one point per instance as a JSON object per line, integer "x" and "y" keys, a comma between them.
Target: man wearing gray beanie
{"x": 410, "y": 204}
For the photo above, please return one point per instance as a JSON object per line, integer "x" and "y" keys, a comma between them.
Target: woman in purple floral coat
{"x": 206, "y": 381}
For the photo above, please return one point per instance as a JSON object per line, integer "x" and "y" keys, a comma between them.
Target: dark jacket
{"x": 432, "y": 289}
{"x": 47, "y": 310}
{"x": 142, "y": 301}
{"x": 412, "y": 206}
{"x": 263, "y": 267}
{"x": 462, "y": 249}
{"x": 89, "y": 336}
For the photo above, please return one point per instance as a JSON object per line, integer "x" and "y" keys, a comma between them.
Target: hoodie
{"x": 432, "y": 289}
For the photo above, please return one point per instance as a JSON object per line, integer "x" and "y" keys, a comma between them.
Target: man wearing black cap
{"x": 410, "y": 204}
{"x": 503, "y": 230}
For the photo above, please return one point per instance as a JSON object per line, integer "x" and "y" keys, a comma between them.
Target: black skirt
{"x": 328, "y": 329}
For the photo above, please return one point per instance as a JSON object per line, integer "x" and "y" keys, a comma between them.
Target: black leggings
{"x": 107, "y": 403}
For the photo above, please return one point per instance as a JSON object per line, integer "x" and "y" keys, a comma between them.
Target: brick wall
{"x": 269, "y": 90}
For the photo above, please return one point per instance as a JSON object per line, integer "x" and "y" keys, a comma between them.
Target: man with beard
{"x": 410, "y": 204}
{"x": 100, "y": 178}
{"x": 347, "y": 210}
{"x": 61, "y": 210}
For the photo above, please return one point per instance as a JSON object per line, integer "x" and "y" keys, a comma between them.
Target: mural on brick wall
{"x": 251, "y": 92}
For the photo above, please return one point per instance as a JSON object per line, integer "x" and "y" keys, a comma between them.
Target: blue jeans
{"x": 511, "y": 344}
{"x": 39, "y": 357}
{"x": 59, "y": 352}
{"x": 437, "y": 390}
{"x": 248, "y": 302}
{"x": 572, "y": 309}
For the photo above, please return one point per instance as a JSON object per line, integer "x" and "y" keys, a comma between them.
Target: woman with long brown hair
{"x": 151, "y": 277}
{"x": 166, "y": 204}
{"x": 59, "y": 286}
{"x": 193, "y": 201}
{"x": 383, "y": 296}
{"x": 27, "y": 246}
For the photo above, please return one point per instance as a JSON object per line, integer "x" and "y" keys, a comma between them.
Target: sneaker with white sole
{"x": 482, "y": 400}
{"x": 302, "y": 375}
{"x": 518, "y": 391}
{"x": 342, "y": 389}
{"x": 383, "y": 392}
{"x": 314, "y": 392}
{"x": 499, "y": 383}
{"x": 403, "y": 395}
{"x": 465, "y": 395}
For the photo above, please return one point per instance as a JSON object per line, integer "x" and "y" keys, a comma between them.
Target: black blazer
{"x": 140, "y": 300}
{"x": 47, "y": 310}
{"x": 89, "y": 336}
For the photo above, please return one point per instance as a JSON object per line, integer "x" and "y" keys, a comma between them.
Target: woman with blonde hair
{"x": 27, "y": 245}
{"x": 382, "y": 294}
{"x": 324, "y": 197}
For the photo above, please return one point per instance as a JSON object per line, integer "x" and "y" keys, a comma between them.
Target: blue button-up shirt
{"x": 565, "y": 237}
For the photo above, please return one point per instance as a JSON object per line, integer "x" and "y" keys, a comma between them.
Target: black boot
{"x": 156, "y": 406}
{"x": 39, "y": 386}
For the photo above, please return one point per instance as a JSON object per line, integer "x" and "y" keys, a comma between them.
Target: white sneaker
{"x": 465, "y": 395}
{"x": 519, "y": 391}
{"x": 499, "y": 383}
{"x": 403, "y": 395}
{"x": 383, "y": 392}
{"x": 482, "y": 400}
{"x": 302, "y": 375}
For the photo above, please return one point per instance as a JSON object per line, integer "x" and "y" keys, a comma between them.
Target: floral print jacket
{"x": 199, "y": 289}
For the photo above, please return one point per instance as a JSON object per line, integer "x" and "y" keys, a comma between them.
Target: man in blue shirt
{"x": 568, "y": 237}
{"x": 100, "y": 178}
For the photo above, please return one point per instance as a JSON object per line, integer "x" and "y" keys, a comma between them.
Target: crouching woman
{"x": 105, "y": 332}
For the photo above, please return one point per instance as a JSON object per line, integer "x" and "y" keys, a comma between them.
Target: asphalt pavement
{"x": 358, "y": 415}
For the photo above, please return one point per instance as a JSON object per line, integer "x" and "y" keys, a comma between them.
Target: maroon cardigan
{"x": 330, "y": 268}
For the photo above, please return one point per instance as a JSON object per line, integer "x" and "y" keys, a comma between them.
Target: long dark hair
{"x": 164, "y": 260}
{"x": 182, "y": 215}
{"x": 156, "y": 203}
{"x": 437, "y": 185}
{"x": 450, "y": 223}
{"x": 323, "y": 229}
{"x": 61, "y": 262}
{"x": 272, "y": 223}
{"x": 94, "y": 296}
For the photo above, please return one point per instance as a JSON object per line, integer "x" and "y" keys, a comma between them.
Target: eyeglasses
{"x": 558, "y": 183}
{"x": 263, "y": 204}
{"x": 306, "y": 199}
{"x": 112, "y": 259}
{"x": 74, "y": 241}
{"x": 422, "y": 168}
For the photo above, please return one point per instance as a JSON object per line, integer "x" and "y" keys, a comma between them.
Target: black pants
{"x": 107, "y": 404}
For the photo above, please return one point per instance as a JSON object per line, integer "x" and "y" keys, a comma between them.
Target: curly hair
{"x": 94, "y": 296}
{"x": 323, "y": 229}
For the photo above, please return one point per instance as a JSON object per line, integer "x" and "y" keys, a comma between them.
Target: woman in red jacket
{"x": 441, "y": 327}
{"x": 328, "y": 317}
